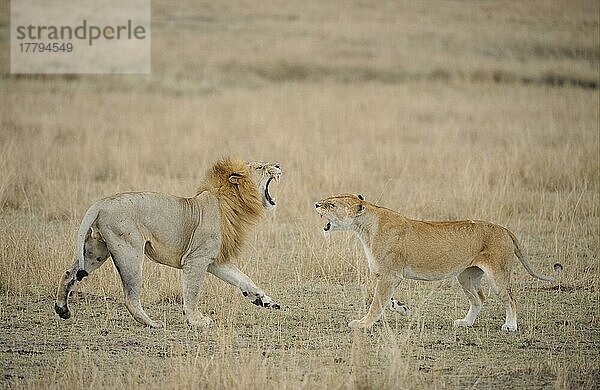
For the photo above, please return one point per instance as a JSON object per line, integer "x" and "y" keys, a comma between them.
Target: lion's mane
{"x": 240, "y": 204}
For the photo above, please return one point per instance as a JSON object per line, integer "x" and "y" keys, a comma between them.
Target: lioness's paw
{"x": 509, "y": 327}
{"x": 399, "y": 307}
{"x": 462, "y": 324}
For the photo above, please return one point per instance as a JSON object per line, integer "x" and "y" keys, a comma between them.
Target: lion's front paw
{"x": 509, "y": 327}
{"x": 200, "y": 322}
{"x": 263, "y": 300}
{"x": 359, "y": 324}
{"x": 462, "y": 323}
{"x": 156, "y": 325}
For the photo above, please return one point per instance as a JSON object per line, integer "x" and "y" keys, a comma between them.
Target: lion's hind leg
{"x": 470, "y": 281}
{"x": 95, "y": 254}
{"x": 65, "y": 286}
{"x": 128, "y": 259}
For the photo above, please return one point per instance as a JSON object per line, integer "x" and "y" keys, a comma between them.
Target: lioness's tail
{"x": 525, "y": 261}
{"x": 84, "y": 228}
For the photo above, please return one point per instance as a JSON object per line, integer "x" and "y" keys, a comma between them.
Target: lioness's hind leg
{"x": 499, "y": 279}
{"x": 128, "y": 260}
{"x": 470, "y": 281}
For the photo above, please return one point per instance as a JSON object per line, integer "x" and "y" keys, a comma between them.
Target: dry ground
{"x": 442, "y": 110}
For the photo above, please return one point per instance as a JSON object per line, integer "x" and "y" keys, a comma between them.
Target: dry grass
{"x": 437, "y": 109}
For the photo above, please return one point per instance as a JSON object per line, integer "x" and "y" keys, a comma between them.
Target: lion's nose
{"x": 317, "y": 205}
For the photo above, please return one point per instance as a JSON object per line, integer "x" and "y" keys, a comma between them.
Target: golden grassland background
{"x": 441, "y": 110}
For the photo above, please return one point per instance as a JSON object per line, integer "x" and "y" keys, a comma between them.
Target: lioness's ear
{"x": 361, "y": 197}
{"x": 235, "y": 178}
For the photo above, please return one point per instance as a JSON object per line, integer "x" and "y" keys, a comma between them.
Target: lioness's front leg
{"x": 384, "y": 289}
{"x": 392, "y": 305}
{"x": 232, "y": 275}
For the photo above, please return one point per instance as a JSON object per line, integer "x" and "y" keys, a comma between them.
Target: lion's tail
{"x": 82, "y": 234}
{"x": 525, "y": 261}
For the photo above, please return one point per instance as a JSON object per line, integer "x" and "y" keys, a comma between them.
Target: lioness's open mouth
{"x": 267, "y": 195}
{"x": 327, "y": 227}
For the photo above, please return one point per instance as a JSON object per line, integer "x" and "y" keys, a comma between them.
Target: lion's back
{"x": 151, "y": 211}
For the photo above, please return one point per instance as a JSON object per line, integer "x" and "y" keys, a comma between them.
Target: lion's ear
{"x": 235, "y": 178}
{"x": 95, "y": 234}
{"x": 361, "y": 197}
{"x": 360, "y": 209}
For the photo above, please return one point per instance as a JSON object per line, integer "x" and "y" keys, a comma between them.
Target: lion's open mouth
{"x": 268, "y": 196}
{"x": 327, "y": 227}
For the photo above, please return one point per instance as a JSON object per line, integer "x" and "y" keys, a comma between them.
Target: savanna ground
{"x": 442, "y": 110}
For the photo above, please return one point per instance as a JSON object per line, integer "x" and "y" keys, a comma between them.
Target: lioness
{"x": 397, "y": 247}
{"x": 196, "y": 235}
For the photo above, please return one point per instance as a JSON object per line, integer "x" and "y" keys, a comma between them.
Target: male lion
{"x": 397, "y": 247}
{"x": 196, "y": 235}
